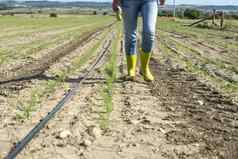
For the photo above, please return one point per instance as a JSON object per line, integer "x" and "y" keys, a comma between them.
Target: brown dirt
{"x": 208, "y": 119}
{"x": 176, "y": 117}
{"x": 21, "y": 77}
{"x": 13, "y": 130}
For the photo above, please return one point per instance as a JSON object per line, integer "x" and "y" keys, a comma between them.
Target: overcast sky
{"x": 198, "y": 2}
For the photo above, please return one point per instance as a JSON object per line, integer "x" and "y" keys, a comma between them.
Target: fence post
{"x": 222, "y": 20}
{"x": 213, "y": 16}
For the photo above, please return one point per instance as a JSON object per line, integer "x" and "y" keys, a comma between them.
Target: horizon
{"x": 168, "y": 2}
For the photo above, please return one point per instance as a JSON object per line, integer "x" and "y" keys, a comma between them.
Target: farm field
{"x": 188, "y": 112}
{"x": 211, "y": 54}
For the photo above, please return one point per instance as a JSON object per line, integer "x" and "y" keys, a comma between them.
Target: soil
{"x": 11, "y": 128}
{"x": 217, "y": 63}
{"x": 175, "y": 117}
{"x": 38, "y": 66}
{"x": 201, "y": 115}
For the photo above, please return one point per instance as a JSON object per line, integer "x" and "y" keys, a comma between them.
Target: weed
{"x": 110, "y": 72}
{"x": 197, "y": 69}
{"x": 25, "y": 109}
{"x": 51, "y": 84}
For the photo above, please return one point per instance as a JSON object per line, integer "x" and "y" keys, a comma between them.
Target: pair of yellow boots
{"x": 144, "y": 70}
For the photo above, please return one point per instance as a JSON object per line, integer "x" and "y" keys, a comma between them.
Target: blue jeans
{"x": 149, "y": 12}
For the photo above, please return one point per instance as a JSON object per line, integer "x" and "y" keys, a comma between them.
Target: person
{"x": 149, "y": 12}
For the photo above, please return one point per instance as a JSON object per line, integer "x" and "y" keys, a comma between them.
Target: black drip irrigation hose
{"x": 22, "y": 144}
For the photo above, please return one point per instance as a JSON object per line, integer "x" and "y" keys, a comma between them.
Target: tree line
{"x": 190, "y": 13}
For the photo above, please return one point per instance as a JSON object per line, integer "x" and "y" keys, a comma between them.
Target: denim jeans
{"x": 149, "y": 12}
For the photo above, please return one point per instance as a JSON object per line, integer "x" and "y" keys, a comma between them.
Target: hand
{"x": 115, "y": 5}
{"x": 162, "y": 2}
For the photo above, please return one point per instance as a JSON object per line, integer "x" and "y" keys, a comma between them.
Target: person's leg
{"x": 149, "y": 15}
{"x": 130, "y": 9}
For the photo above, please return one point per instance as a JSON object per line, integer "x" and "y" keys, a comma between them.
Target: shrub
{"x": 165, "y": 13}
{"x": 105, "y": 13}
{"x": 192, "y": 13}
{"x": 53, "y": 15}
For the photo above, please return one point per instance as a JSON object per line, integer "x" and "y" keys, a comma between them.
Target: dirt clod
{"x": 94, "y": 131}
{"x": 86, "y": 143}
{"x": 65, "y": 134}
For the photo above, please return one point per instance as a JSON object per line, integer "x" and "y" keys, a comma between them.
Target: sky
{"x": 198, "y": 2}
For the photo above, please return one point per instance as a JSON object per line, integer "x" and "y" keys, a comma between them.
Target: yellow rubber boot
{"x": 145, "y": 70}
{"x": 119, "y": 14}
{"x": 131, "y": 66}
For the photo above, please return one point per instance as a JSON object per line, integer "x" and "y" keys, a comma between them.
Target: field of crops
{"x": 78, "y": 62}
{"x": 211, "y": 54}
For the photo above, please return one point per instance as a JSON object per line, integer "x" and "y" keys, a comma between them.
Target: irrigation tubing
{"x": 22, "y": 144}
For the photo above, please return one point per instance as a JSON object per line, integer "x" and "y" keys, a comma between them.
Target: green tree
{"x": 192, "y": 13}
